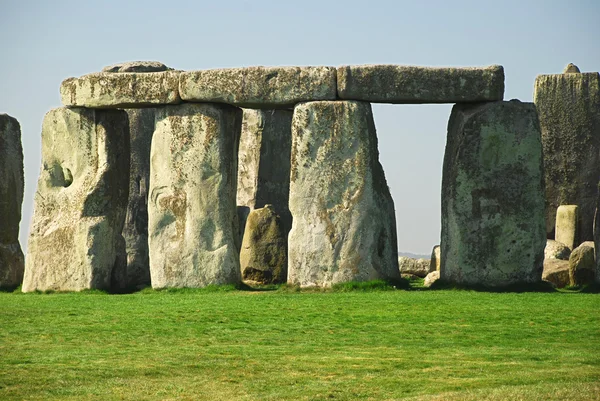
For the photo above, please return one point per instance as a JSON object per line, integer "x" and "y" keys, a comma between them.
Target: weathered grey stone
{"x": 492, "y": 196}
{"x": 556, "y": 250}
{"x": 436, "y": 256}
{"x": 264, "y": 164}
{"x": 135, "y": 273}
{"x": 418, "y": 267}
{"x": 431, "y": 278}
{"x": 263, "y": 257}
{"x": 75, "y": 240}
{"x": 556, "y": 271}
{"x": 137, "y": 66}
{"x": 597, "y": 235}
{"x": 567, "y": 218}
{"x": 344, "y": 226}
{"x": 582, "y": 264}
{"x": 11, "y": 199}
{"x": 192, "y": 220}
{"x": 410, "y": 84}
{"x": 123, "y": 90}
{"x": 259, "y": 87}
{"x": 569, "y": 111}
{"x": 571, "y": 69}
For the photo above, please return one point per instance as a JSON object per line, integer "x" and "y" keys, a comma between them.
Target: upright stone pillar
{"x": 11, "y": 199}
{"x": 568, "y": 105}
{"x": 264, "y": 164}
{"x": 75, "y": 239}
{"x": 493, "y": 229}
{"x": 344, "y": 226}
{"x": 566, "y": 225}
{"x": 192, "y": 220}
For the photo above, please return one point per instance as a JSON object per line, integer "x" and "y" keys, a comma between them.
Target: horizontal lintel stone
{"x": 259, "y": 87}
{"x": 413, "y": 85}
{"x": 123, "y": 90}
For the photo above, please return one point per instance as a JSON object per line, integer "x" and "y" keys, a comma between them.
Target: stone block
{"x": 569, "y": 111}
{"x": 431, "y": 278}
{"x": 493, "y": 230}
{"x": 76, "y": 241}
{"x": 263, "y": 257}
{"x": 436, "y": 255}
{"x": 137, "y": 66}
{"x": 344, "y": 226}
{"x": 192, "y": 219}
{"x": 582, "y": 264}
{"x": 122, "y": 90}
{"x": 411, "y": 84}
{"x": 11, "y": 198}
{"x": 417, "y": 267}
{"x": 556, "y": 250}
{"x": 259, "y": 87}
{"x": 556, "y": 271}
{"x": 567, "y": 219}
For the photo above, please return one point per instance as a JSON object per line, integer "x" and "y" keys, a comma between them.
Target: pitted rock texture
{"x": 417, "y": 267}
{"x": 264, "y": 163}
{"x": 569, "y": 111}
{"x": 411, "y": 84}
{"x": 263, "y": 257}
{"x": 567, "y": 220}
{"x": 556, "y": 271}
{"x": 344, "y": 226}
{"x": 135, "y": 273}
{"x": 556, "y": 250}
{"x": 192, "y": 220}
{"x": 259, "y": 87}
{"x": 492, "y": 196}
{"x": 137, "y": 66}
{"x": 582, "y": 264}
{"x": 11, "y": 198}
{"x": 122, "y": 90}
{"x": 75, "y": 241}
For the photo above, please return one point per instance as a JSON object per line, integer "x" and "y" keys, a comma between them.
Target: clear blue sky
{"x": 43, "y": 42}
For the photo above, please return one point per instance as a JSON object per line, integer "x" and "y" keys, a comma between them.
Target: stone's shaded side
{"x": 410, "y": 84}
{"x": 75, "y": 240}
{"x": 567, "y": 217}
{"x": 344, "y": 226}
{"x": 415, "y": 267}
{"x": 259, "y": 87}
{"x": 192, "y": 220}
{"x": 569, "y": 111}
{"x": 264, "y": 163}
{"x": 582, "y": 264}
{"x": 137, "y": 66}
{"x": 492, "y": 196}
{"x": 263, "y": 257}
{"x": 436, "y": 255}
{"x": 123, "y": 90}
{"x": 11, "y": 199}
{"x": 135, "y": 272}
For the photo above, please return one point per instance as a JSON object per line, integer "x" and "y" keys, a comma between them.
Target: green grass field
{"x": 286, "y": 345}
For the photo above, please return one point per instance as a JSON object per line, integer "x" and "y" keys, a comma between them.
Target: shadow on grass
{"x": 518, "y": 288}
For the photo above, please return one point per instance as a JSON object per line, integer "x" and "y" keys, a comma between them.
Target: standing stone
{"x": 75, "y": 240}
{"x": 436, "y": 256}
{"x": 264, "y": 164}
{"x": 566, "y": 225}
{"x": 582, "y": 264}
{"x": 492, "y": 196}
{"x": 569, "y": 112}
{"x": 135, "y": 273}
{"x": 263, "y": 257}
{"x": 344, "y": 226}
{"x": 192, "y": 220}
{"x": 11, "y": 199}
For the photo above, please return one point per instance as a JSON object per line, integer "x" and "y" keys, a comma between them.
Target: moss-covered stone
{"x": 569, "y": 112}
{"x": 259, "y": 87}
{"x": 75, "y": 241}
{"x": 123, "y": 90}
{"x": 11, "y": 199}
{"x": 492, "y": 196}
{"x": 410, "y": 84}
{"x": 192, "y": 220}
{"x": 263, "y": 257}
{"x": 344, "y": 225}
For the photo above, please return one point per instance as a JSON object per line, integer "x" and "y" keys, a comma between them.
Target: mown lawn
{"x": 284, "y": 345}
